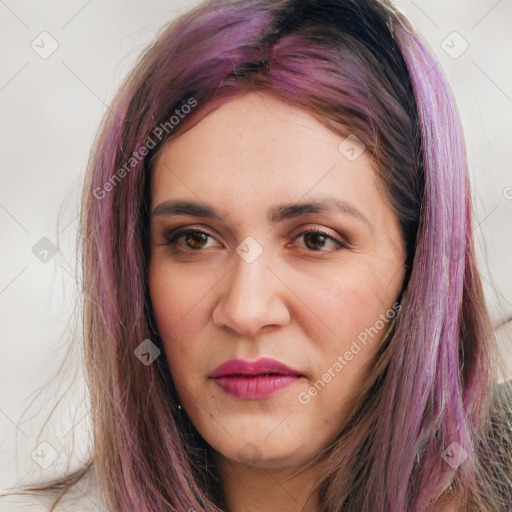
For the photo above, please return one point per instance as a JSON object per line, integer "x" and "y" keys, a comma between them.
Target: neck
{"x": 250, "y": 489}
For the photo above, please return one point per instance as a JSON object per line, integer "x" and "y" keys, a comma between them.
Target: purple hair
{"x": 357, "y": 67}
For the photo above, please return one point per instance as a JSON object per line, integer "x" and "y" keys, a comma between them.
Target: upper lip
{"x": 259, "y": 367}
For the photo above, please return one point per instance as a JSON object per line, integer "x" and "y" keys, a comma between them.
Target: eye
{"x": 316, "y": 240}
{"x": 194, "y": 239}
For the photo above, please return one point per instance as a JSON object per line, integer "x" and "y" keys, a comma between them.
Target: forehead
{"x": 255, "y": 150}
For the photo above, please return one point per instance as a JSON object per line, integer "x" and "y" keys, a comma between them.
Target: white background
{"x": 50, "y": 111}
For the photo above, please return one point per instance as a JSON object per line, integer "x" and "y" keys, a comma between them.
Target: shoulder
{"x": 496, "y": 452}
{"x": 503, "y": 391}
{"x": 82, "y": 496}
{"x": 42, "y": 501}
{"x": 500, "y": 418}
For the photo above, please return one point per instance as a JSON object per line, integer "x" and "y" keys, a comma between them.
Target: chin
{"x": 262, "y": 456}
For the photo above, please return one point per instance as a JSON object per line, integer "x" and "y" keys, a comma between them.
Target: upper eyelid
{"x": 182, "y": 231}
{"x": 173, "y": 235}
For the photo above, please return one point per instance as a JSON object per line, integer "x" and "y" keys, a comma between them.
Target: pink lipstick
{"x": 253, "y": 380}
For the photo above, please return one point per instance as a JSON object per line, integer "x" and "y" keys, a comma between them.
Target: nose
{"x": 253, "y": 297}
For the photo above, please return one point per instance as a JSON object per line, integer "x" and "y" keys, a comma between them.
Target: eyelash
{"x": 173, "y": 237}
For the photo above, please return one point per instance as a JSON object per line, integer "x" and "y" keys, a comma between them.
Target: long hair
{"x": 358, "y": 67}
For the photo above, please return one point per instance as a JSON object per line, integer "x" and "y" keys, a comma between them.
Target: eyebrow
{"x": 276, "y": 214}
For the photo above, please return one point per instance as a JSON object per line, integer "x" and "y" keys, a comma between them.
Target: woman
{"x": 283, "y": 307}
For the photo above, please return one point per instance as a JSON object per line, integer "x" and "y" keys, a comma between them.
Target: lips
{"x": 263, "y": 366}
{"x": 254, "y": 380}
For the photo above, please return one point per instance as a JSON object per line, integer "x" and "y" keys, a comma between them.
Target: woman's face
{"x": 255, "y": 280}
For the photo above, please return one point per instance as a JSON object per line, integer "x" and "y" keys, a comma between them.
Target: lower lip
{"x": 255, "y": 387}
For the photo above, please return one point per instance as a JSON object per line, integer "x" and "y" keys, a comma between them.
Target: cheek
{"x": 351, "y": 308}
{"x": 175, "y": 296}
{"x": 177, "y": 306}
{"x": 352, "y": 300}
{"x": 178, "y": 302}
{"x": 341, "y": 360}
